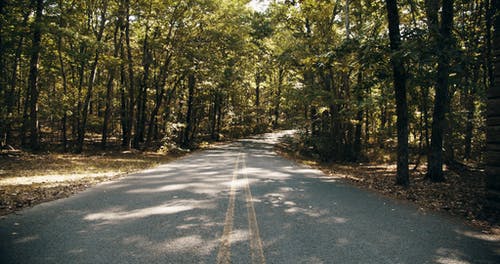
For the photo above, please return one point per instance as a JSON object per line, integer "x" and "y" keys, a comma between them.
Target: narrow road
{"x": 238, "y": 203}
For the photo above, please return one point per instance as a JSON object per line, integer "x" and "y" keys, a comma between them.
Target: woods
{"x": 360, "y": 79}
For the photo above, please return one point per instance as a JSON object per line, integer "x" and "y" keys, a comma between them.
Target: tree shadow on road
{"x": 176, "y": 214}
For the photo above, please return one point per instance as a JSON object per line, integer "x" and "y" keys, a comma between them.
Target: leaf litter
{"x": 28, "y": 179}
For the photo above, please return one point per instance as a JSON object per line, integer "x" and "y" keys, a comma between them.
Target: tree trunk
{"x": 359, "y": 92}
{"x": 3, "y": 82}
{"x": 142, "y": 97}
{"x": 491, "y": 7}
{"x": 117, "y": 41}
{"x": 368, "y": 117}
{"x": 219, "y": 117}
{"x": 186, "y": 142}
{"x": 470, "y": 107}
{"x": 33, "y": 84}
{"x": 281, "y": 73}
{"x": 402, "y": 177}
{"x": 441, "y": 101}
{"x": 347, "y": 20}
{"x": 257, "y": 89}
{"x": 359, "y": 116}
{"x": 81, "y": 81}
{"x": 216, "y": 106}
{"x": 257, "y": 100}
{"x": 10, "y": 94}
{"x": 124, "y": 109}
{"x": 160, "y": 93}
{"x": 131, "y": 80}
{"x": 64, "y": 139}
{"x": 425, "y": 112}
{"x": 493, "y": 128}
{"x": 124, "y": 116}
{"x": 86, "y": 104}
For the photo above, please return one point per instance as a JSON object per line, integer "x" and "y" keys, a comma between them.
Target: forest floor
{"x": 462, "y": 194}
{"x": 27, "y": 179}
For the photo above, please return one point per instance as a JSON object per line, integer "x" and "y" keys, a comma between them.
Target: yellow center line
{"x": 224, "y": 255}
{"x": 256, "y": 250}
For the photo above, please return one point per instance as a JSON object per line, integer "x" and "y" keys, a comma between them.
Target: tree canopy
{"x": 146, "y": 74}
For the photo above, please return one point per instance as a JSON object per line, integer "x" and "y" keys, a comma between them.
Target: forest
{"x": 355, "y": 77}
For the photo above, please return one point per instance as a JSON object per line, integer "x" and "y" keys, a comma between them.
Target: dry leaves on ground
{"x": 29, "y": 179}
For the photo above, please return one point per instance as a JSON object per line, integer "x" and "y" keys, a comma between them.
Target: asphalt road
{"x": 238, "y": 203}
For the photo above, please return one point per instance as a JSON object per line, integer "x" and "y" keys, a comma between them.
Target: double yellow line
{"x": 256, "y": 251}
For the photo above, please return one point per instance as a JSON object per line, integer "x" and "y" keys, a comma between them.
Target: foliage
{"x": 120, "y": 71}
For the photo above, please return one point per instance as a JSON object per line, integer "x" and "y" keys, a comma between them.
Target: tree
{"x": 117, "y": 44}
{"x": 402, "y": 177}
{"x": 441, "y": 100}
{"x": 86, "y": 105}
{"x": 493, "y": 128}
{"x": 33, "y": 82}
{"x": 188, "y": 132}
{"x": 316, "y": 65}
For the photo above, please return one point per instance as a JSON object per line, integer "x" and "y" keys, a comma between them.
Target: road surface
{"x": 238, "y": 203}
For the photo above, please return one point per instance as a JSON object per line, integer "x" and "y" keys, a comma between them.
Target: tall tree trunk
{"x": 218, "y": 115}
{"x": 160, "y": 94}
{"x": 10, "y": 94}
{"x": 81, "y": 80}
{"x": 62, "y": 69}
{"x": 117, "y": 42}
{"x": 88, "y": 96}
{"x": 142, "y": 97}
{"x": 131, "y": 80}
{"x": 123, "y": 108}
{"x": 493, "y": 127}
{"x": 4, "y": 116}
{"x": 33, "y": 84}
{"x": 470, "y": 108}
{"x": 257, "y": 88}
{"x": 359, "y": 91}
{"x": 469, "y": 127}
{"x": 359, "y": 116}
{"x": 491, "y": 9}
{"x": 347, "y": 20}
{"x": 124, "y": 116}
{"x": 258, "y": 79}
{"x": 216, "y": 106}
{"x": 64, "y": 139}
{"x": 382, "y": 135}
{"x": 281, "y": 73}
{"x": 425, "y": 111}
{"x": 402, "y": 177}
{"x": 186, "y": 142}
{"x": 369, "y": 116}
{"x": 441, "y": 100}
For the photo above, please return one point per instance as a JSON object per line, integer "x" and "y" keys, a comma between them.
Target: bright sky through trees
{"x": 259, "y": 5}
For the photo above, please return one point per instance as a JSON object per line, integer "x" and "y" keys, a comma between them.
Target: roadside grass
{"x": 28, "y": 179}
{"x": 462, "y": 194}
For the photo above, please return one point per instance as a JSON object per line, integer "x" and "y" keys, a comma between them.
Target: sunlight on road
{"x": 238, "y": 203}
{"x": 173, "y": 207}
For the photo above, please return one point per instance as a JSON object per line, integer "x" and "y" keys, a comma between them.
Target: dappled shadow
{"x": 176, "y": 213}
